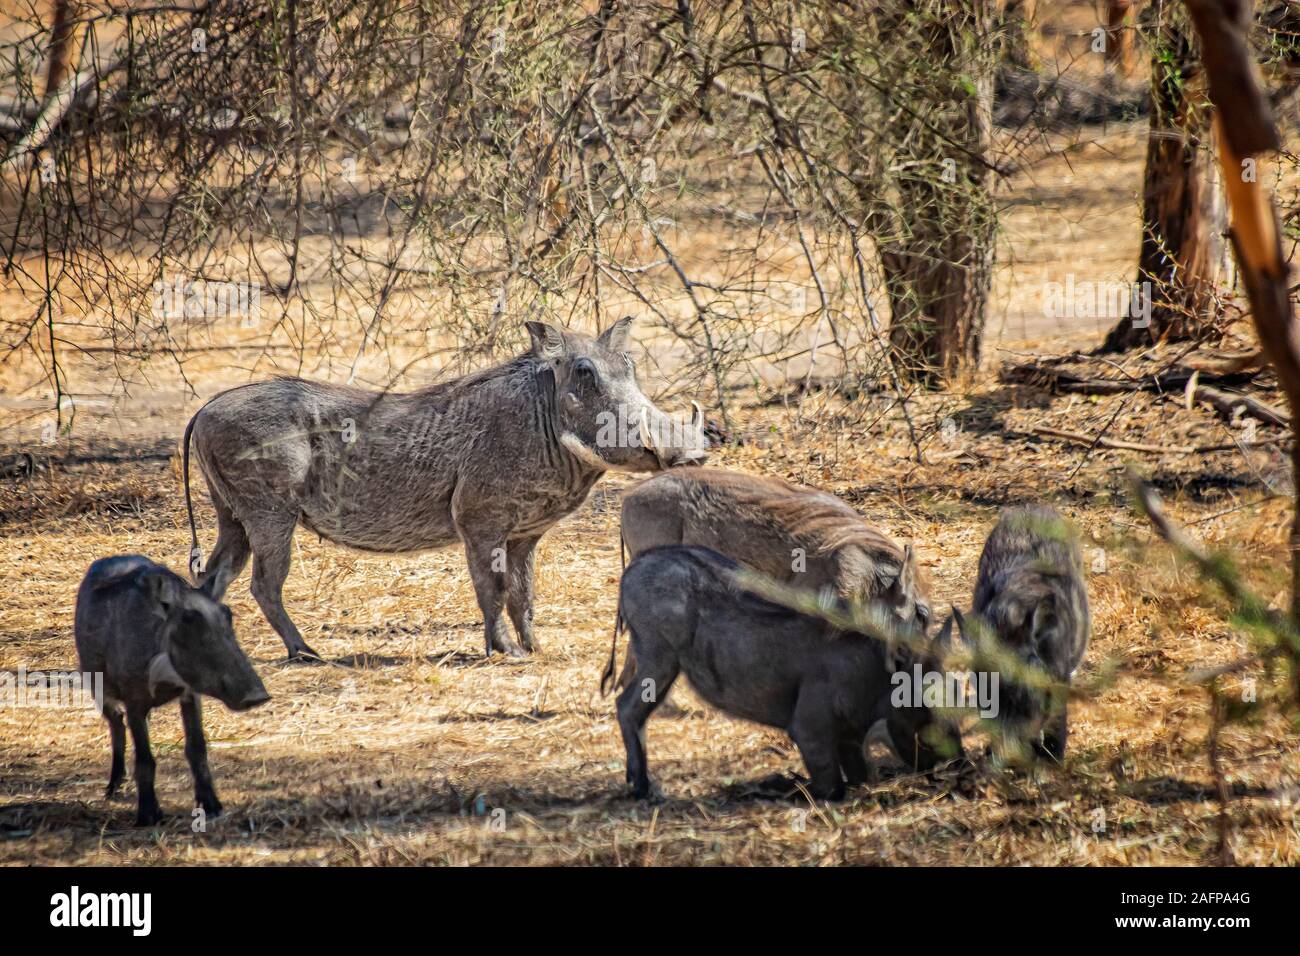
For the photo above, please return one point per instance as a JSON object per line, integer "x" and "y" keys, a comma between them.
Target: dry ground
{"x": 408, "y": 748}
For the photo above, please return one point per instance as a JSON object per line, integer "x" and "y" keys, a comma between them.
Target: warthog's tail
{"x": 608, "y": 673}
{"x": 189, "y": 502}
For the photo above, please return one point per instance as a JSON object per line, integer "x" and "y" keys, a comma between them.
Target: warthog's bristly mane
{"x": 822, "y": 521}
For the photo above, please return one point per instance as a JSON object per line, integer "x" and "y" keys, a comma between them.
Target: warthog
{"x": 791, "y": 533}
{"x": 492, "y": 459}
{"x": 1030, "y": 594}
{"x": 685, "y": 611}
{"x": 155, "y": 638}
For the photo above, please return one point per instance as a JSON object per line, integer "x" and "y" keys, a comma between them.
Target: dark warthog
{"x": 155, "y": 638}
{"x": 1031, "y": 595}
{"x": 492, "y": 459}
{"x": 686, "y": 612}
{"x": 791, "y": 533}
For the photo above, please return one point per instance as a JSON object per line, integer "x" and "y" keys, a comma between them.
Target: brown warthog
{"x": 1031, "y": 595}
{"x": 492, "y": 459}
{"x": 794, "y": 534}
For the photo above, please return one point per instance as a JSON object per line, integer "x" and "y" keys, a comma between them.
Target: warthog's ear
{"x": 162, "y": 591}
{"x": 942, "y": 643}
{"x": 945, "y": 634}
{"x": 904, "y": 582}
{"x": 615, "y": 337}
{"x": 907, "y": 576}
{"x": 548, "y": 341}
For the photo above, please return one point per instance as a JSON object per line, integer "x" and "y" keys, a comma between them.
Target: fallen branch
{"x": 1172, "y": 382}
{"x": 1101, "y": 441}
{"x": 1229, "y": 402}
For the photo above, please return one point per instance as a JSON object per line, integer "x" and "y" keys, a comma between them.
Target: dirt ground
{"x": 407, "y": 747}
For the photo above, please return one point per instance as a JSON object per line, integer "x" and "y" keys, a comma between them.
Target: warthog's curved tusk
{"x": 697, "y": 415}
{"x": 646, "y": 435}
{"x": 162, "y": 673}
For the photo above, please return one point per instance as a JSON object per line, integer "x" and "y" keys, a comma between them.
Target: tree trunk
{"x": 1019, "y": 18}
{"x": 1184, "y": 215}
{"x": 1120, "y": 48}
{"x": 936, "y": 244}
{"x": 59, "y": 55}
{"x": 1248, "y": 129}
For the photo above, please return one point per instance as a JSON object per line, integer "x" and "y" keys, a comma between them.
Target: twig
{"x": 1104, "y": 442}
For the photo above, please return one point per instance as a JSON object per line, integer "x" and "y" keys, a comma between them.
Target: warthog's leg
{"x": 231, "y": 552}
{"x": 488, "y": 564}
{"x": 117, "y": 735}
{"x": 910, "y": 731}
{"x": 147, "y": 810}
{"x": 1052, "y": 745}
{"x": 813, "y": 731}
{"x": 271, "y": 545}
{"x": 853, "y": 759}
{"x": 628, "y": 672}
{"x": 196, "y": 752}
{"x": 520, "y": 557}
{"x": 647, "y": 689}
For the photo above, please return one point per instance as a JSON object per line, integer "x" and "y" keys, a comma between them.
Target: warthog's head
{"x": 894, "y": 585}
{"x": 894, "y": 588}
{"x": 200, "y": 651}
{"x": 1022, "y": 619}
{"x": 603, "y": 416}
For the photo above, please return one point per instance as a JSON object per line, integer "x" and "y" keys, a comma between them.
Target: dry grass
{"x": 407, "y": 745}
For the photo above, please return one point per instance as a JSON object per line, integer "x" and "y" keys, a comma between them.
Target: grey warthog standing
{"x": 491, "y": 459}
{"x": 686, "y": 612}
{"x": 794, "y": 534}
{"x": 1030, "y": 594}
{"x": 155, "y": 638}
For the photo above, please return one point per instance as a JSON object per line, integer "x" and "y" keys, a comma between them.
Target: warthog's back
{"x": 381, "y": 471}
{"x": 116, "y": 626}
{"x": 787, "y": 531}
{"x": 361, "y": 468}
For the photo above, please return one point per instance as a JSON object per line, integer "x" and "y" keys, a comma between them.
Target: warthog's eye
{"x": 190, "y": 619}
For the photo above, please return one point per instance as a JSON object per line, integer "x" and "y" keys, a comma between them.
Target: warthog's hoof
{"x": 509, "y": 649}
{"x": 305, "y": 655}
{"x": 210, "y": 804}
{"x": 148, "y": 816}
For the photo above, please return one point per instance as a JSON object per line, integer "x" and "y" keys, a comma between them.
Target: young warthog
{"x": 1030, "y": 594}
{"x": 686, "y": 612}
{"x": 492, "y": 459}
{"x": 793, "y": 534}
{"x": 155, "y": 638}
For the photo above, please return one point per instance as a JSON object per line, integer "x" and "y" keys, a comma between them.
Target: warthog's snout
{"x": 255, "y": 697}
{"x": 687, "y": 457}
{"x": 673, "y": 443}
